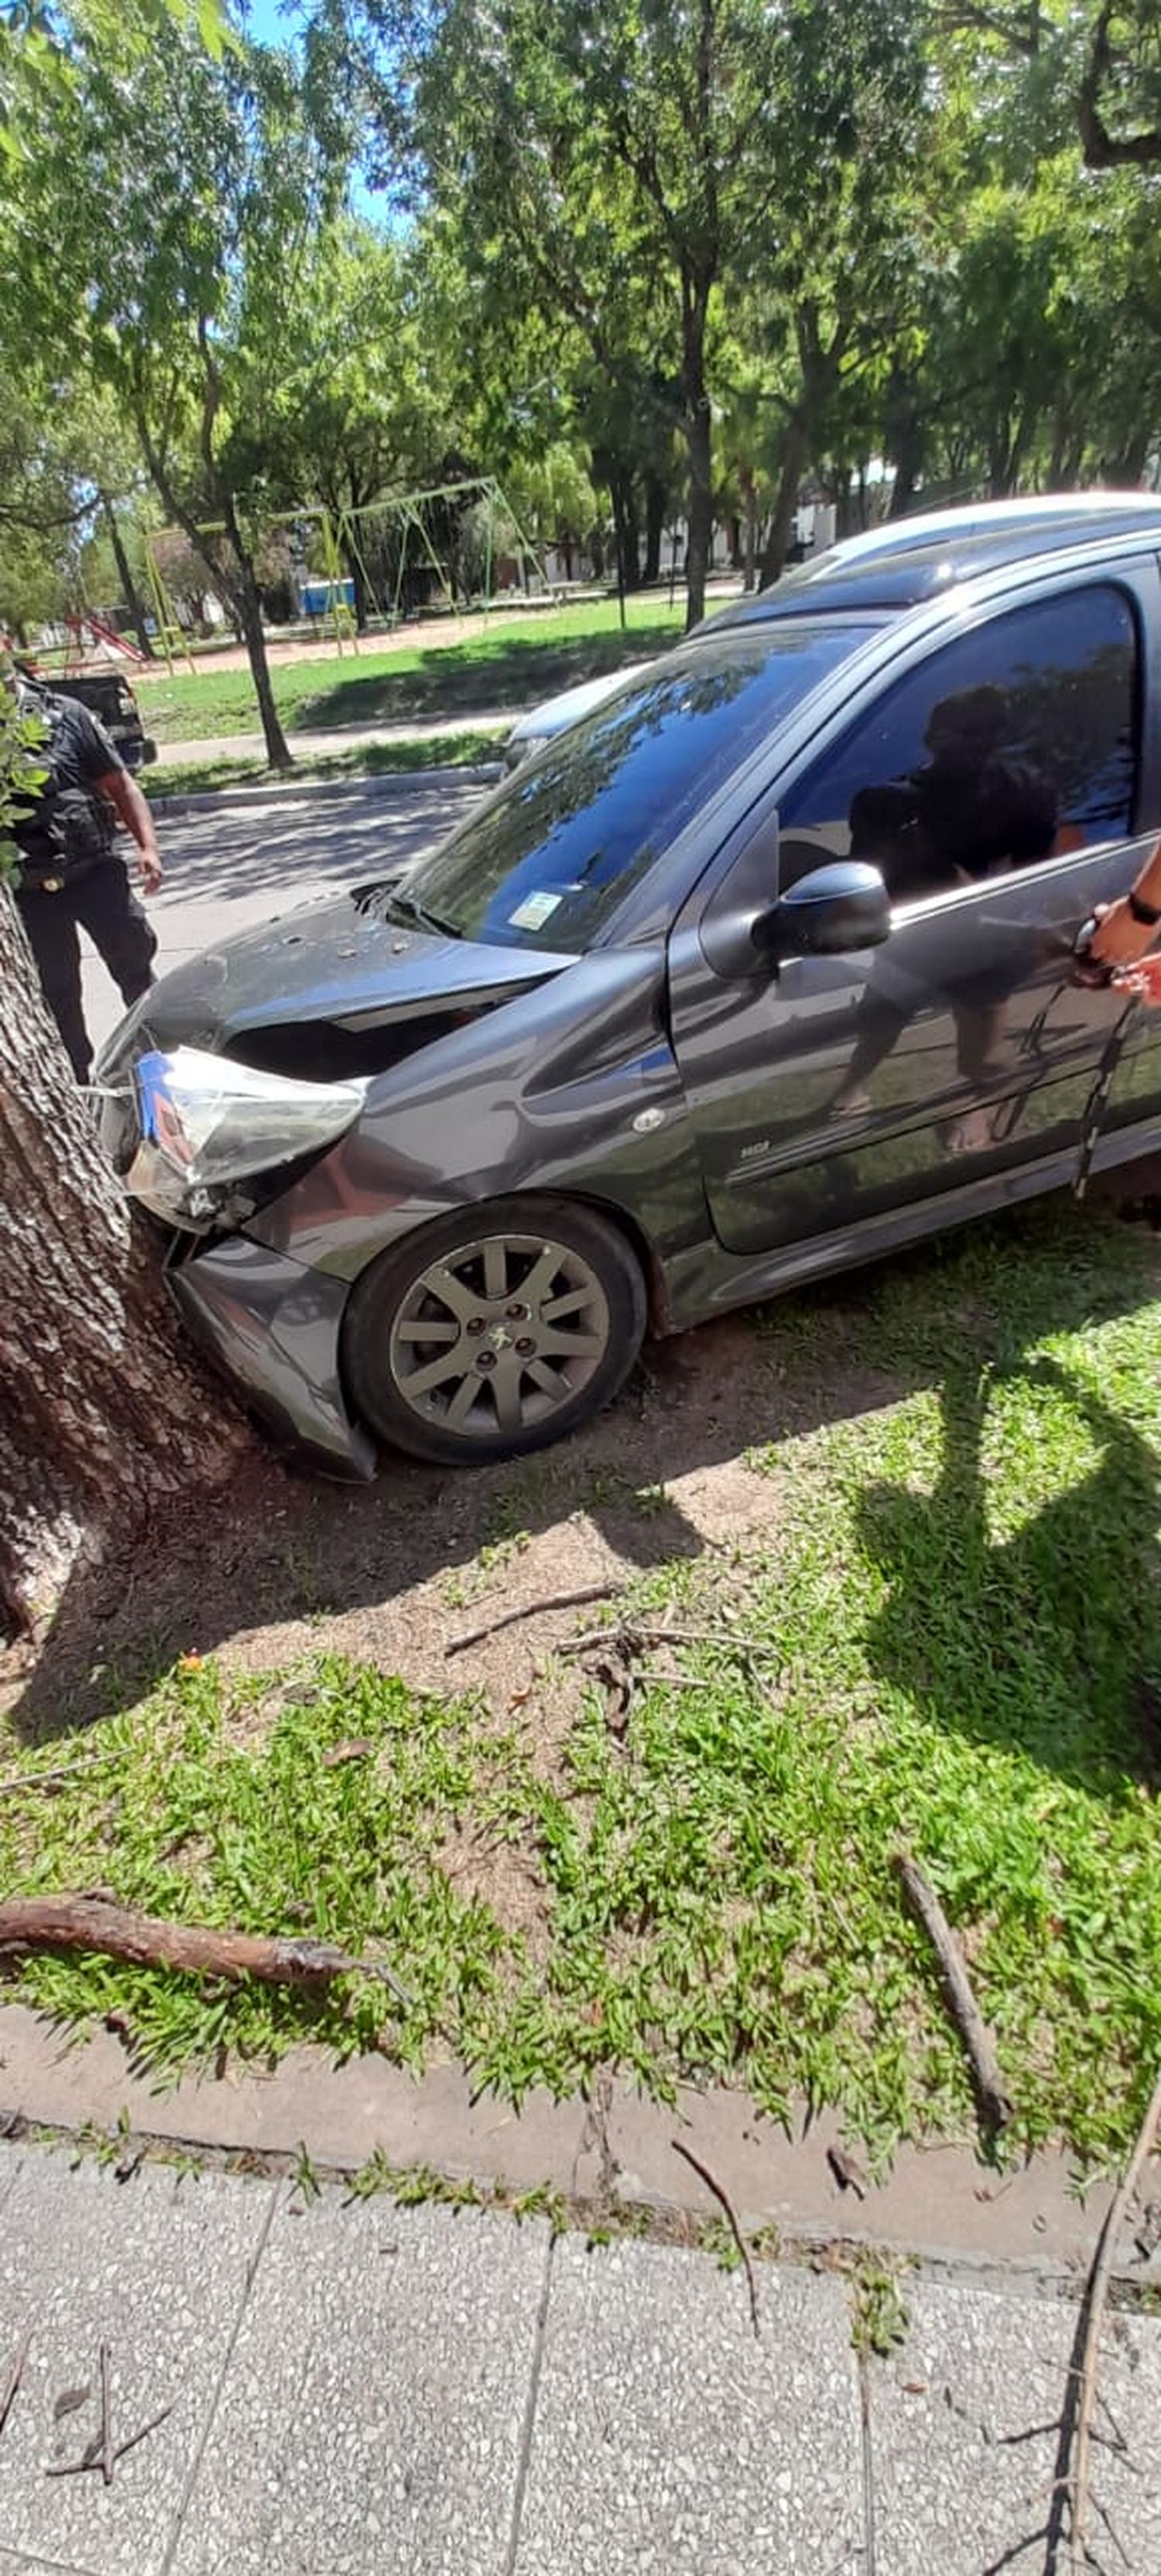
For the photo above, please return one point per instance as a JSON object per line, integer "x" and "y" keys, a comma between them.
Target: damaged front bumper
{"x": 274, "y": 1328}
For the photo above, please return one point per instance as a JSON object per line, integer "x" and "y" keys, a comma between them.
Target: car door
{"x": 829, "y": 1091}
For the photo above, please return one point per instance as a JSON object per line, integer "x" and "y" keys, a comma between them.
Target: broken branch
{"x": 70, "y": 1922}
{"x": 10, "y": 2386}
{"x": 21, "y": 1780}
{"x": 106, "y": 2419}
{"x": 1097, "y": 2295}
{"x": 629, "y": 1639}
{"x": 725, "y": 2203}
{"x": 532, "y": 1610}
{"x": 995, "y": 2105}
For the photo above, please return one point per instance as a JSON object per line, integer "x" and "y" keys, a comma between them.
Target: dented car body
{"x": 587, "y": 1069}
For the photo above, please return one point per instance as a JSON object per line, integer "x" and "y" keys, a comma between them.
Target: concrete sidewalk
{"x": 360, "y": 2387}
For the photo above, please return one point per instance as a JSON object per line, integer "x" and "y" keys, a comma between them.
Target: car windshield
{"x": 547, "y": 862}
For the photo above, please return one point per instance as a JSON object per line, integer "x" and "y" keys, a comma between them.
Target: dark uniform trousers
{"x": 101, "y": 899}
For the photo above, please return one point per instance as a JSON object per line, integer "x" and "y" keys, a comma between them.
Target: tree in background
{"x": 161, "y": 224}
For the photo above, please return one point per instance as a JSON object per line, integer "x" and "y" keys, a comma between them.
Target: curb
{"x": 614, "y": 2152}
{"x": 215, "y": 800}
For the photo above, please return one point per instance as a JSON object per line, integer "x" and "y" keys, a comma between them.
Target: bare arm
{"x": 124, "y": 795}
{"x": 1122, "y": 934}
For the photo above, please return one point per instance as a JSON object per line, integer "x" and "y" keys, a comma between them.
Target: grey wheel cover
{"x": 499, "y": 1334}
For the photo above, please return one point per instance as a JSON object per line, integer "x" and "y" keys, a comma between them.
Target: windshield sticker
{"x": 535, "y": 910}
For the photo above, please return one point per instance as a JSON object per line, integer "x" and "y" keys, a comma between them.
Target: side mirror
{"x": 833, "y": 909}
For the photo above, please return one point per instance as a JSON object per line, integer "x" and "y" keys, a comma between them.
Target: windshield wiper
{"x": 407, "y": 907}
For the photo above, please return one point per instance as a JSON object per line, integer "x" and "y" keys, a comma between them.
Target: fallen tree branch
{"x": 92, "y": 2458}
{"x": 59, "y": 1779}
{"x": 724, "y": 2202}
{"x": 532, "y": 1610}
{"x": 629, "y": 1639}
{"x": 995, "y": 2104}
{"x": 10, "y": 2386}
{"x": 106, "y": 2418}
{"x": 71, "y": 1922}
{"x": 1095, "y": 2301}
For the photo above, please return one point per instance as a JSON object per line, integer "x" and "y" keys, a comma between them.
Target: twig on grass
{"x": 995, "y": 2104}
{"x": 532, "y": 1610}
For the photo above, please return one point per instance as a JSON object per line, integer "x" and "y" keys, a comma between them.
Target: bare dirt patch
{"x": 394, "y": 1573}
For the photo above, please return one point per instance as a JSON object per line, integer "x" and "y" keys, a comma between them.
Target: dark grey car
{"x": 762, "y": 969}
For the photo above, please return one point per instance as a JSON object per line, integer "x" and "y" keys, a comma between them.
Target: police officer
{"x": 70, "y": 871}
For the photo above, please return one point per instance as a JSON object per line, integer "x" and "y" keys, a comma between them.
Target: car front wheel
{"x": 494, "y": 1331}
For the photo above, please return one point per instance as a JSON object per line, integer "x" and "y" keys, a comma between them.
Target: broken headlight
{"x": 207, "y": 1123}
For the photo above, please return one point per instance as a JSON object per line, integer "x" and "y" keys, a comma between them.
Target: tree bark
{"x": 129, "y": 590}
{"x": 89, "y": 1923}
{"x": 249, "y": 607}
{"x": 786, "y": 498}
{"x": 105, "y": 1422}
{"x": 701, "y": 510}
{"x": 623, "y": 499}
{"x": 656, "y": 503}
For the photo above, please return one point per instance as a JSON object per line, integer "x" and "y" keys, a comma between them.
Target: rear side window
{"x": 1016, "y": 743}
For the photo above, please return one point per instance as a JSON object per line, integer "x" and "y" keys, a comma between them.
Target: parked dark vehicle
{"x": 107, "y": 695}
{"x": 762, "y": 969}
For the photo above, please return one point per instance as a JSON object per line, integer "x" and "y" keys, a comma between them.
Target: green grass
{"x": 949, "y": 1635}
{"x": 511, "y": 662}
{"x": 368, "y": 760}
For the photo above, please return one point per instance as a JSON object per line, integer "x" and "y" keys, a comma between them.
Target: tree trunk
{"x": 623, "y": 499}
{"x": 904, "y": 447}
{"x": 786, "y": 499}
{"x": 105, "y": 1422}
{"x": 701, "y": 513}
{"x": 358, "y": 580}
{"x": 129, "y": 591}
{"x": 656, "y": 499}
{"x": 750, "y": 532}
{"x": 249, "y": 609}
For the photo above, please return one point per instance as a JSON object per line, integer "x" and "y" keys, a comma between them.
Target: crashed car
{"x": 695, "y": 1006}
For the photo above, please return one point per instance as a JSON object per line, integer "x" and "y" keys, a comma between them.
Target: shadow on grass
{"x": 1046, "y": 1640}
{"x": 1061, "y": 1615}
{"x": 498, "y": 671}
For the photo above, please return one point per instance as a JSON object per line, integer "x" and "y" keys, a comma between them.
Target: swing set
{"x": 380, "y": 547}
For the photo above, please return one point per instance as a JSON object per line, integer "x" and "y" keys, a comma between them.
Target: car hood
{"x": 337, "y": 961}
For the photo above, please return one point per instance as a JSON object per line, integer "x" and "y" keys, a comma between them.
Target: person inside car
{"x": 975, "y": 809}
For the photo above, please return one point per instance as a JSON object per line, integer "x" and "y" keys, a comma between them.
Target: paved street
{"x": 225, "y": 871}
{"x": 363, "y": 2390}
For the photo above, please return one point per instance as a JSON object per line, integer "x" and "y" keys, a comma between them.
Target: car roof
{"x": 897, "y": 577}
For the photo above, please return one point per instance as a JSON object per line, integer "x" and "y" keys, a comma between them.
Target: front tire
{"x": 494, "y": 1331}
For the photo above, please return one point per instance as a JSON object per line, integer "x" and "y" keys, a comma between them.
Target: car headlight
{"x": 206, "y": 1122}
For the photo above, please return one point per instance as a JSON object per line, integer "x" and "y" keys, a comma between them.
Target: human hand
{"x": 149, "y": 870}
{"x": 1119, "y": 938}
{"x": 1143, "y": 980}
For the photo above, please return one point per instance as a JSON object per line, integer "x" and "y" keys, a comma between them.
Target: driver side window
{"x": 1016, "y": 743}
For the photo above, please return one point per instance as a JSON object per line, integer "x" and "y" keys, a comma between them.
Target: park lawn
{"x": 366, "y": 760}
{"x": 511, "y": 662}
{"x": 946, "y": 1632}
